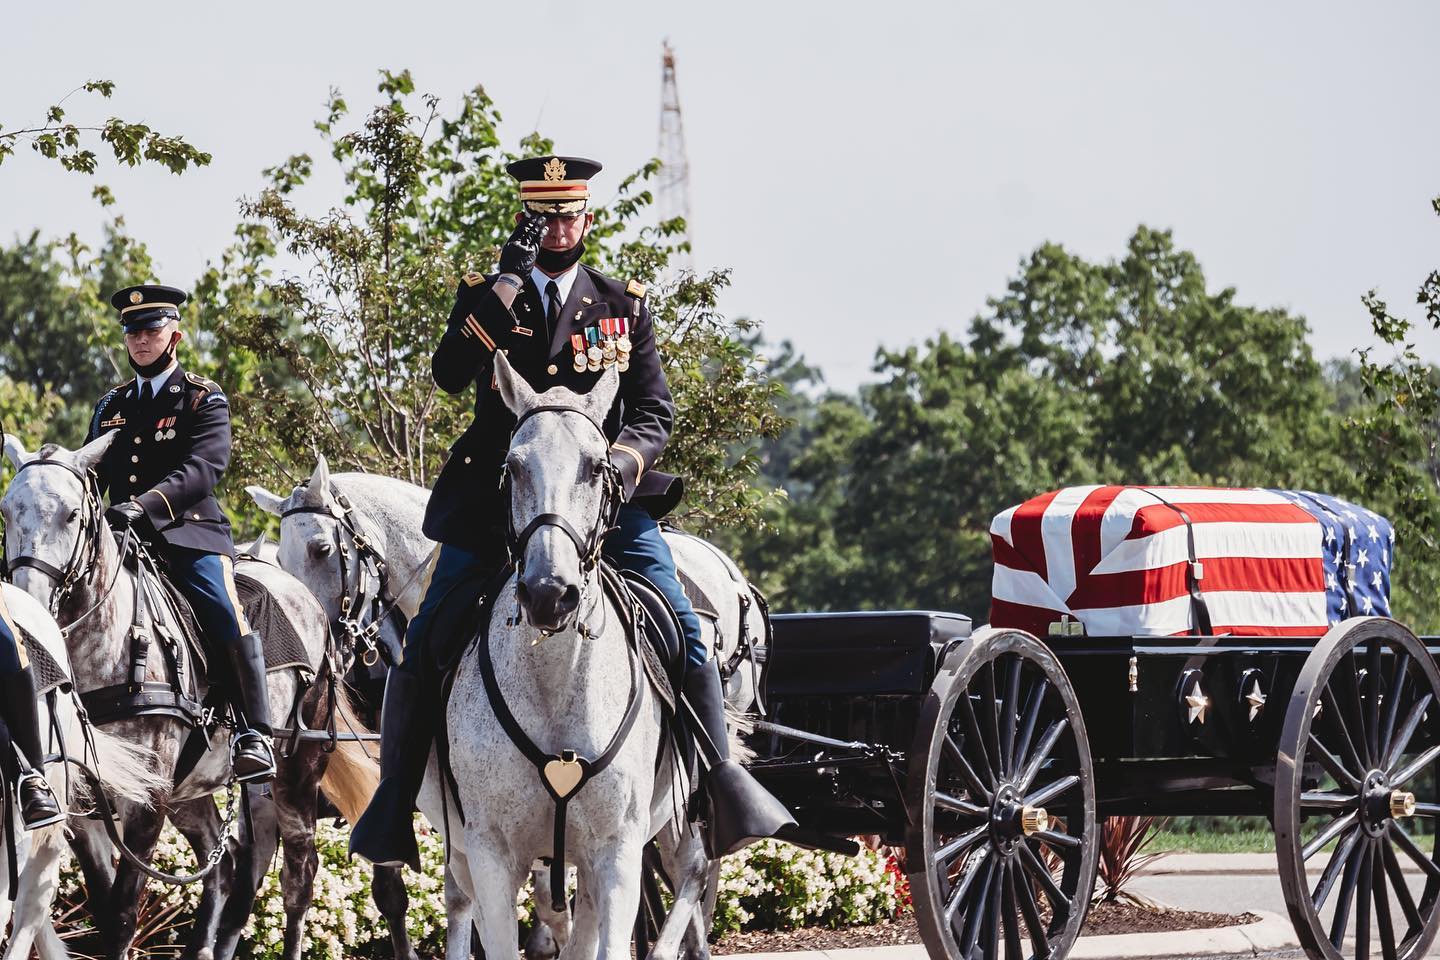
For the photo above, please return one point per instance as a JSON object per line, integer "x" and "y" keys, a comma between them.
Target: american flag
{"x": 1118, "y": 559}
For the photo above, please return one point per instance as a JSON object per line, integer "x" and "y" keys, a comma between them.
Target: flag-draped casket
{"x": 1165, "y": 560}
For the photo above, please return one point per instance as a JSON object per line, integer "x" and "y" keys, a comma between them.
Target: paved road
{"x": 1225, "y": 884}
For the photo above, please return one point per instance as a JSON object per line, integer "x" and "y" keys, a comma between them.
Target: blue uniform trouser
{"x": 12, "y": 657}
{"x": 636, "y": 544}
{"x": 208, "y": 582}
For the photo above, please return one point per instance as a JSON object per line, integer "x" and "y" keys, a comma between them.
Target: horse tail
{"x": 127, "y": 769}
{"x": 352, "y": 776}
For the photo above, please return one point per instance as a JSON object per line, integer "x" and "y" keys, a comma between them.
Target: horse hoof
{"x": 540, "y": 945}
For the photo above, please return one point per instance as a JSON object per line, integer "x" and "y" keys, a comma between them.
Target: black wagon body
{"x": 991, "y": 755}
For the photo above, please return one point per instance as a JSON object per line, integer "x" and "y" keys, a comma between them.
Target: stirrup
{"x": 237, "y": 744}
{"x": 60, "y": 813}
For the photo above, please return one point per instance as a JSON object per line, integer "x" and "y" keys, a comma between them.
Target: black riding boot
{"x": 38, "y": 806}
{"x": 385, "y": 832}
{"x": 741, "y": 810}
{"x": 251, "y": 755}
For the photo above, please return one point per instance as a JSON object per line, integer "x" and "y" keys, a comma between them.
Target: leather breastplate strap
{"x": 564, "y": 774}
{"x": 1194, "y": 573}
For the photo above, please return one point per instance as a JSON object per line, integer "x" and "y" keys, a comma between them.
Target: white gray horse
{"x": 52, "y": 514}
{"x": 42, "y": 852}
{"x": 317, "y": 547}
{"x": 574, "y": 692}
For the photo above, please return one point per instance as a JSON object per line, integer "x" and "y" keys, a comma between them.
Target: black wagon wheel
{"x": 656, "y": 893}
{"x": 1001, "y": 844}
{"x": 1359, "y": 743}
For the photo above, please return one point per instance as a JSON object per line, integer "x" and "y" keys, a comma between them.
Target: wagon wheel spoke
{"x": 1351, "y": 876}
{"x": 1332, "y": 763}
{"x": 1042, "y": 752}
{"x": 1332, "y": 830}
{"x": 1356, "y": 714}
{"x": 972, "y": 735}
{"x": 1362, "y": 902}
{"x": 1332, "y": 716}
{"x": 1010, "y": 914}
{"x": 1415, "y": 766}
{"x": 990, "y": 704}
{"x": 1394, "y": 696}
{"x": 958, "y": 892}
{"x": 1382, "y": 905}
{"x": 1402, "y": 890}
{"x": 1412, "y": 723}
{"x": 1325, "y": 800}
{"x": 1057, "y": 839}
{"x": 951, "y": 750}
{"x": 1332, "y": 870}
{"x": 1045, "y": 795}
{"x": 1403, "y": 841}
{"x": 975, "y": 916}
{"x": 991, "y": 926}
{"x": 1372, "y": 707}
{"x": 1031, "y": 911}
{"x": 1060, "y": 904}
{"x": 946, "y": 854}
{"x": 1009, "y": 707}
{"x": 1032, "y": 716}
{"x": 955, "y": 805}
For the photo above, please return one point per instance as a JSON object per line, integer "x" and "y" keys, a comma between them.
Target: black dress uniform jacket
{"x": 465, "y": 508}
{"x": 169, "y": 456}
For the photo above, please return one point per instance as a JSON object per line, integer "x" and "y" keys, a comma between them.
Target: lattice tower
{"x": 672, "y": 192}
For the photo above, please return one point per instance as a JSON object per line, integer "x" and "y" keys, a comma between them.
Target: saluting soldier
{"x": 161, "y": 471}
{"x": 25, "y": 763}
{"x": 560, "y": 323}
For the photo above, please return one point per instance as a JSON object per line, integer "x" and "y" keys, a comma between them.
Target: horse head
{"x": 312, "y": 547}
{"x": 53, "y": 517}
{"x": 563, "y": 492}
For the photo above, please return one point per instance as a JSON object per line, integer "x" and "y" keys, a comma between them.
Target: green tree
{"x": 73, "y": 145}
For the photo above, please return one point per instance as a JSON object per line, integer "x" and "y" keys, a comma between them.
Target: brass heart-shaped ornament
{"x": 563, "y": 776}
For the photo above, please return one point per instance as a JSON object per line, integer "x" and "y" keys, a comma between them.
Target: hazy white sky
{"x": 872, "y": 172}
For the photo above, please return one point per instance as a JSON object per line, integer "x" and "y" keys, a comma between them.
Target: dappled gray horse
{"x": 41, "y": 852}
{"x": 53, "y": 517}
{"x": 555, "y": 732}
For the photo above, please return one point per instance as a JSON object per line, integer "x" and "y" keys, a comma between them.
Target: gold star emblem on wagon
{"x": 554, "y": 169}
{"x": 136, "y": 296}
{"x": 1256, "y": 699}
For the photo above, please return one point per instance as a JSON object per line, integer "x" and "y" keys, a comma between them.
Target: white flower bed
{"x": 769, "y": 886}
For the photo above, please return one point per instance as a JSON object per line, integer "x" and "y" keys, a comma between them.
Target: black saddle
{"x": 661, "y": 627}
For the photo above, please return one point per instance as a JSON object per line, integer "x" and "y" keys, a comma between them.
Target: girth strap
{"x": 566, "y": 773}
{"x": 124, "y": 701}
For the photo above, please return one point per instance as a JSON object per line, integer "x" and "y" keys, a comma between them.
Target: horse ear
{"x": 266, "y": 500}
{"x": 319, "y": 487}
{"x": 15, "y": 450}
{"x": 602, "y": 396}
{"x": 516, "y": 393}
{"x": 88, "y": 456}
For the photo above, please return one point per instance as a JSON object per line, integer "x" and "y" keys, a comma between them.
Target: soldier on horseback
{"x": 559, "y": 323}
{"x": 38, "y": 806}
{"x": 161, "y": 473}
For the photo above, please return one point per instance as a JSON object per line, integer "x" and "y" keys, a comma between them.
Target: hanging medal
{"x": 594, "y": 354}
{"x": 607, "y": 327}
{"x": 577, "y": 344}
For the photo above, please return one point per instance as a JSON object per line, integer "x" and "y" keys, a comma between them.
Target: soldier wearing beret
{"x": 26, "y": 763}
{"x": 560, "y": 323}
{"x": 171, "y": 448}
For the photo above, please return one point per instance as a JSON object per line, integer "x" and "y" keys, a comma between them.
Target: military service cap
{"x": 147, "y": 305}
{"x": 554, "y": 184}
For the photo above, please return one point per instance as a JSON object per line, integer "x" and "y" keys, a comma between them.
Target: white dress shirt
{"x": 563, "y": 283}
{"x": 156, "y": 382}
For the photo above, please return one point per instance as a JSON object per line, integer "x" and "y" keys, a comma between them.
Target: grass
{"x": 1241, "y": 841}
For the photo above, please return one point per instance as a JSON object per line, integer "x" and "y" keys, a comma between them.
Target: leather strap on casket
{"x": 1194, "y": 573}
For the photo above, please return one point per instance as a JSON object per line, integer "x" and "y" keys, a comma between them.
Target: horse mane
{"x": 48, "y": 450}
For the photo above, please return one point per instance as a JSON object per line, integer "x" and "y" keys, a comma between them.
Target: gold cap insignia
{"x": 136, "y": 296}
{"x": 554, "y": 169}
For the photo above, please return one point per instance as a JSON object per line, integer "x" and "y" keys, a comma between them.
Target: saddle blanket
{"x": 1118, "y": 559}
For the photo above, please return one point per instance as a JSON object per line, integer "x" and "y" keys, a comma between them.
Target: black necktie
{"x": 146, "y": 394}
{"x": 552, "y": 308}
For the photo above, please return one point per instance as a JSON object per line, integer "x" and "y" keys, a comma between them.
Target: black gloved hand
{"x": 126, "y": 514}
{"x": 520, "y": 251}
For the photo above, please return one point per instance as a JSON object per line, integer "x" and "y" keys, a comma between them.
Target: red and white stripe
{"x": 1116, "y": 558}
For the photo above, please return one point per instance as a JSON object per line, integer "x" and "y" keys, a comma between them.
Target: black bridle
{"x": 587, "y": 545}
{"x": 361, "y": 613}
{"x": 87, "y": 543}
